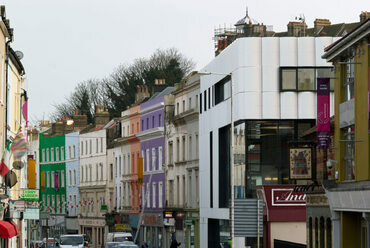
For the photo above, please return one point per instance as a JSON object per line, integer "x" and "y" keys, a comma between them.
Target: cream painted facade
{"x": 288, "y": 231}
{"x": 93, "y": 185}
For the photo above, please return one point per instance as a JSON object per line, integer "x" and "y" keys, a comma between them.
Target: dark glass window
{"x": 222, "y": 90}
{"x": 306, "y": 79}
{"x": 209, "y": 98}
{"x": 211, "y": 168}
{"x": 288, "y": 79}
{"x": 205, "y": 100}
{"x": 200, "y": 103}
{"x": 224, "y": 167}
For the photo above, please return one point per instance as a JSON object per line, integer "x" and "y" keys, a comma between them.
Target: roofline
{"x": 346, "y": 41}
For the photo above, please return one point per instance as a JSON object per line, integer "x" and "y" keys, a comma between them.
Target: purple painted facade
{"x": 152, "y": 150}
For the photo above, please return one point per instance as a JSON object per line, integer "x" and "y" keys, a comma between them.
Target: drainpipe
{"x": 6, "y": 89}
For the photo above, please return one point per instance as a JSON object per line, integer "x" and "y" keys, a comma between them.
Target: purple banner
{"x": 56, "y": 177}
{"x": 323, "y": 113}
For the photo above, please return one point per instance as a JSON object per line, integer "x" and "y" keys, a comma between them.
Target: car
{"x": 119, "y": 237}
{"x": 50, "y": 244}
{"x": 129, "y": 244}
{"x": 36, "y": 244}
{"x": 71, "y": 241}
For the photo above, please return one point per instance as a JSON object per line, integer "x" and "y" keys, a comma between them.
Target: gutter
{"x": 342, "y": 44}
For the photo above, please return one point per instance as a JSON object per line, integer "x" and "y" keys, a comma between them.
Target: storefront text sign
{"x": 29, "y": 195}
{"x": 323, "y": 112}
{"x": 287, "y": 197}
{"x": 31, "y": 214}
{"x": 19, "y": 206}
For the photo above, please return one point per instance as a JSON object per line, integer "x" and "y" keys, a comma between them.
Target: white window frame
{"x": 160, "y": 155}
{"x": 62, "y": 153}
{"x": 62, "y": 179}
{"x": 147, "y": 195}
{"x": 52, "y": 155}
{"x": 43, "y": 155}
{"x": 147, "y": 159}
{"x": 53, "y": 179}
{"x": 153, "y": 159}
{"x": 160, "y": 194}
{"x": 57, "y": 154}
{"x": 47, "y": 155}
{"x": 154, "y": 187}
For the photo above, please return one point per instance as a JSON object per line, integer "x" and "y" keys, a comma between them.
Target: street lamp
{"x": 231, "y": 147}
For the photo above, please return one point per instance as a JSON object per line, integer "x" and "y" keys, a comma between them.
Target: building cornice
{"x": 150, "y": 134}
{"x": 151, "y": 108}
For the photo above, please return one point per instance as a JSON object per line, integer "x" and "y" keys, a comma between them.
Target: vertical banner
{"x": 42, "y": 181}
{"x": 56, "y": 178}
{"x": 31, "y": 173}
{"x": 323, "y": 113}
{"x": 140, "y": 171}
{"x": 369, "y": 87}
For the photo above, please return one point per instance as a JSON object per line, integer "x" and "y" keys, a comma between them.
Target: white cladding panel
{"x": 306, "y": 51}
{"x": 289, "y": 105}
{"x": 320, "y": 45}
{"x": 306, "y": 105}
{"x": 270, "y": 51}
{"x": 250, "y": 53}
{"x": 247, "y": 105}
{"x": 270, "y": 78}
{"x": 270, "y": 105}
{"x": 247, "y": 79}
{"x": 288, "y": 51}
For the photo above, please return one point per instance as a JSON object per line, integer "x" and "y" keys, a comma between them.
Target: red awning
{"x": 8, "y": 229}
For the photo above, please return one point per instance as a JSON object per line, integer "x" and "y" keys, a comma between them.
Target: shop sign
{"x": 104, "y": 208}
{"x": 29, "y": 194}
{"x": 180, "y": 215}
{"x": 300, "y": 163}
{"x": 152, "y": 220}
{"x": 287, "y": 197}
{"x": 18, "y": 206}
{"x": 189, "y": 222}
{"x": 33, "y": 204}
{"x": 31, "y": 214}
{"x": 91, "y": 222}
{"x": 169, "y": 222}
{"x": 122, "y": 228}
{"x": 168, "y": 214}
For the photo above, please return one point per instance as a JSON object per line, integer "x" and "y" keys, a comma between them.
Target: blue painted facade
{"x": 72, "y": 155}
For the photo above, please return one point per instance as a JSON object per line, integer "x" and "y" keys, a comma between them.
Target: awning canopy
{"x": 8, "y": 229}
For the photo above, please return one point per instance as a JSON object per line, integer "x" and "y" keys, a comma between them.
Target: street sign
{"x": 30, "y": 194}
{"x": 31, "y": 214}
{"x": 18, "y": 206}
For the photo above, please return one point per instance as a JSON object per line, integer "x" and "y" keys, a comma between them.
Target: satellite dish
{"x": 17, "y": 165}
{"x": 19, "y": 54}
{"x": 3, "y": 196}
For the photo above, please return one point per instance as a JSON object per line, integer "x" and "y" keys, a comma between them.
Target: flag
{"x": 4, "y": 169}
{"x": 19, "y": 146}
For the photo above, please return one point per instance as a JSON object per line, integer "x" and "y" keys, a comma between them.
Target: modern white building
{"x": 274, "y": 100}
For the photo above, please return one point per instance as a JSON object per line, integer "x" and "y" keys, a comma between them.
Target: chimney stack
{"x": 159, "y": 85}
{"x": 142, "y": 92}
{"x": 364, "y": 16}
{"x": 319, "y": 23}
{"x": 101, "y": 116}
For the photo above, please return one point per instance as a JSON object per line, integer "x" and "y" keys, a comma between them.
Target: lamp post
{"x": 231, "y": 149}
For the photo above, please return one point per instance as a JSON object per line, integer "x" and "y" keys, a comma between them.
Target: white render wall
{"x": 254, "y": 63}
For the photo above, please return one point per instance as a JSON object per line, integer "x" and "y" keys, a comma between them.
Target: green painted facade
{"x": 52, "y": 162}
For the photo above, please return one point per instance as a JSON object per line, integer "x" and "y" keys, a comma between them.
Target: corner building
{"x": 274, "y": 101}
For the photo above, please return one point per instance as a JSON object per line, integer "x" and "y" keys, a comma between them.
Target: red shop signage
{"x": 282, "y": 203}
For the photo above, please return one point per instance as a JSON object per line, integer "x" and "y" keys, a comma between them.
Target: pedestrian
{"x": 174, "y": 244}
{"x": 144, "y": 245}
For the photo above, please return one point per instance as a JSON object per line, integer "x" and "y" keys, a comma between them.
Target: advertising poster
{"x": 323, "y": 113}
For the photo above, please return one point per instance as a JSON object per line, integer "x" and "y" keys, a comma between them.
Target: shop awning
{"x": 8, "y": 229}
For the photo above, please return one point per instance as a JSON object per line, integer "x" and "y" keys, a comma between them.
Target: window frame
{"x": 296, "y": 68}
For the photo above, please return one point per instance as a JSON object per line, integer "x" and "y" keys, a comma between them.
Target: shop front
{"x": 152, "y": 230}
{"x": 192, "y": 229}
{"x": 284, "y": 216}
{"x": 94, "y": 230}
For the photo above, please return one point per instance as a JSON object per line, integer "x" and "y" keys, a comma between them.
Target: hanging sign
{"x": 31, "y": 214}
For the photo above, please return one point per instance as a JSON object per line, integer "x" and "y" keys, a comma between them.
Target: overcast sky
{"x": 68, "y": 41}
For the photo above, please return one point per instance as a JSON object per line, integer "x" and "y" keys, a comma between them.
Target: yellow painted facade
{"x": 348, "y": 196}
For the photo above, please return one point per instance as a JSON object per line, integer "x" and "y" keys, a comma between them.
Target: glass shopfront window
{"x": 261, "y": 153}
